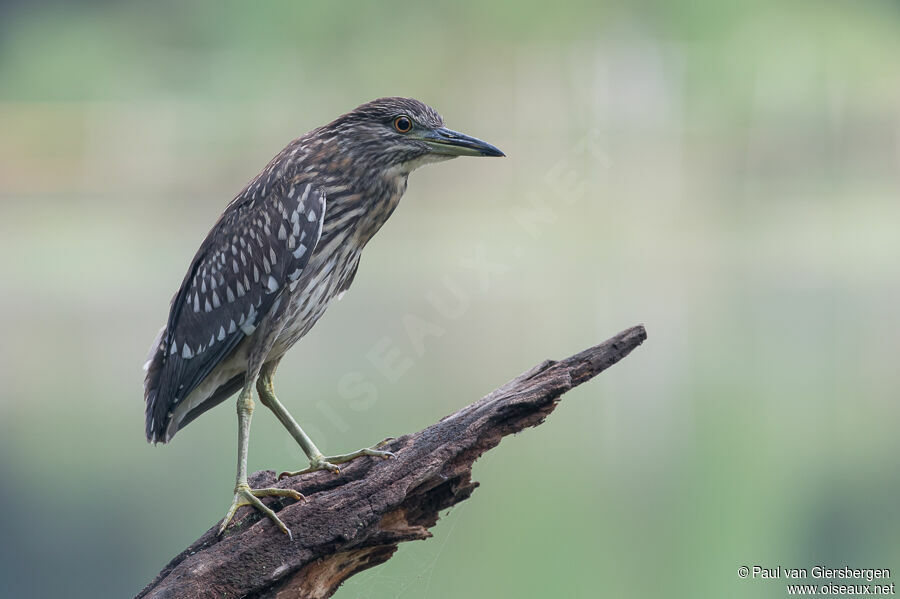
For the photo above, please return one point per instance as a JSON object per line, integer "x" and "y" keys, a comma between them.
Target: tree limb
{"x": 356, "y": 520}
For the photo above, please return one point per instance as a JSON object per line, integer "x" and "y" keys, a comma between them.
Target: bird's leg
{"x": 317, "y": 461}
{"x": 243, "y": 494}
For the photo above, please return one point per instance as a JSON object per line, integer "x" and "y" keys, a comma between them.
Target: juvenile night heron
{"x": 287, "y": 245}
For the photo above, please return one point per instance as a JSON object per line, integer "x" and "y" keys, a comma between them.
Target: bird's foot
{"x": 244, "y": 495}
{"x": 321, "y": 462}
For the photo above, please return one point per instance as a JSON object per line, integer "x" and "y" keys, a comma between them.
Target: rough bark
{"x": 355, "y": 520}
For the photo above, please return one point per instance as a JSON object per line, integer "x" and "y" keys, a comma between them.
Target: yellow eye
{"x": 402, "y": 124}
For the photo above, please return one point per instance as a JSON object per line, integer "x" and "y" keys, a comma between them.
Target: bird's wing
{"x": 256, "y": 249}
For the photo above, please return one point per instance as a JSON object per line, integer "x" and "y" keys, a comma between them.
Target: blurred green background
{"x": 726, "y": 173}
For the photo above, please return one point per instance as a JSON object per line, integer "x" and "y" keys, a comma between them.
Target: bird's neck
{"x": 360, "y": 195}
{"x": 355, "y": 212}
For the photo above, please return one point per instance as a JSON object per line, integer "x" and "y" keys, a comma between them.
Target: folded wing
{"x": 257, "y": 248}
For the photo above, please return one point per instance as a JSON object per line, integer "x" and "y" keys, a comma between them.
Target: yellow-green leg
{"x": 243, "y": 494}
{"x": 317, "y": 461}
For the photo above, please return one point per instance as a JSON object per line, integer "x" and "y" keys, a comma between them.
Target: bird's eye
{"x": 402, "y": 124}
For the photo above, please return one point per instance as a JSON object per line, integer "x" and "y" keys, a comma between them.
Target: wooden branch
{"x": 356, "y": 520}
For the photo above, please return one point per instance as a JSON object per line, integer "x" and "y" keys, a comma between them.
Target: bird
{"x": 283, "y": 249}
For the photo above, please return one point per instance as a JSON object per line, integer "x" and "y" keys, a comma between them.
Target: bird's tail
{"x": 156, "y": 413}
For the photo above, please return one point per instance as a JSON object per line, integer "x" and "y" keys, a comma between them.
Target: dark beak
{"x": 450, "y": 143}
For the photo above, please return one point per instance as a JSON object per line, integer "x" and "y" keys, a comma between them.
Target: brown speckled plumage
{"x": 283, "y": 249}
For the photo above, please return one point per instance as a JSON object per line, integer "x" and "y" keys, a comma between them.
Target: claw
{"x": 329, "y": 463}
{"x": 314, "y": 466}
{"x": 244, "y": 495}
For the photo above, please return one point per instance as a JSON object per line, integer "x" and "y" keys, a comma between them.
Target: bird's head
{"x": 401, "y": 134}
